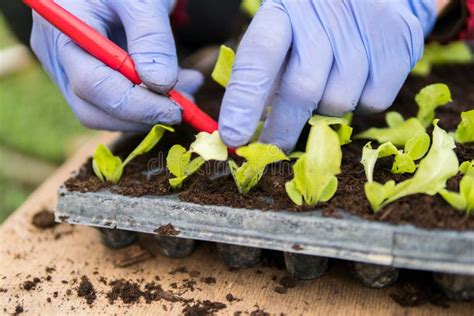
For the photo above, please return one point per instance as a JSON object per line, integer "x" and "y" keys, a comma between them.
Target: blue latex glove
{"x": 324, "y": 55}
{"x": 100, "y": 97}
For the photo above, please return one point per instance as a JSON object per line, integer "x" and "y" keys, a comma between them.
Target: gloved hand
{"x": 100, "y": 97}
{"x": 329, "y": 56}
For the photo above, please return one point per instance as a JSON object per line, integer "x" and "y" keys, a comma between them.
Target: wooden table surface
{"x": 75, "y": 251}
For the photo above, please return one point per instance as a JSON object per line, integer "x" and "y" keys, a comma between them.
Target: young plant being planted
{"x": 399, "y": 130}
{"x": 434, "y": 170}
{"x": 258, "y": 156}
{"x": 315, "y": 171}
{"x": 108, "y": 167}
{"x": 206, "y": 146}
{"x": 464, "y": 199}
{"x": 465, "y": 131}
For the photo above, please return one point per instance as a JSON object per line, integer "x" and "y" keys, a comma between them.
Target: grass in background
{"x": 34, "y": 117}
{"x": 34, "y": 120}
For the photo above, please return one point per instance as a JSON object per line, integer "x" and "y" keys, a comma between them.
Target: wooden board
{"x": 74, "y": 251}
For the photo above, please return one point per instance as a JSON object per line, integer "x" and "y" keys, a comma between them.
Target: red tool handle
{"x": 113, "y": 56}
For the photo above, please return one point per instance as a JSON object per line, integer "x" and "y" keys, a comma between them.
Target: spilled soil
{"x": 147, "y": 174}
{"x": 43, "y": 219}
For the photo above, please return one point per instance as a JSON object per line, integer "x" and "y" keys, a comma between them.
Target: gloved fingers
{"x": 259, "y": 58}
{"x": 94, "y": 118}
{"x": 388, "y": 71}
{"x": 350, "y": 69}
{"x": 150, "y": 41}
{"x": 110, "y": 91}
{"x": 302, "y": 84}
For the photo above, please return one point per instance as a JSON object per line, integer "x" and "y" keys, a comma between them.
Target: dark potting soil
{"x": 147, "y": 174}
{"x": 203, "y": 308}
{"x": 167, "y": 230}
{"x": 18, "y": 310}
{"x": 416, "y": 288}
{"x": 86, "y": 290}
{"x": 43, "y": 219}
{"x": 31, "y": 284}
{"x": 130, "y": 293}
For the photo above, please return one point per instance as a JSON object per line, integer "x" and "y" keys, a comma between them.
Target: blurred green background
{"x": 37, "y": 129}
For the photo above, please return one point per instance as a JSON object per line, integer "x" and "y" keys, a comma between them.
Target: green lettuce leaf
{"x": 343, "y": 128}
{"x": 150, "y": 141}
{"x": 180, "y": 165}
{"x": 250, "y": 6}
{"x": 398, "y": 134}
{"x": 422, "y": 68}
{"x": 223, "y": 68}
{"x": 464, "y": 200}
{"x": 437, "y": 54}
{"x": 417, "y": 147}
{"x": 370, "y": 157}
{"x": 179, "y": 161}
{"x": 209, "y": 146}
{"x": 465, "y": 130}
{"x": 393, "y": 119}
{"x": 434, "y": 170}
{"x": 429, "y": 99}
{"x": 106, "y": 166}
{"x": 378, "y": 193}
{"x": 257, "y": 156}
{"x": 314, "y": 177}
{"x": 467, "y": 167}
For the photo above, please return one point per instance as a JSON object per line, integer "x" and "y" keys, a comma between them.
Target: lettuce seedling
{"x": 464, "y": 200}
{"x": 257, "y": 156}
{"x": 429, "y": 99}
{"x": 342, "y": 124}
{"x": 250, "y": 6}
{"x": 436, "y": 54}
{"x": 108, "y": 167}
{"x": 223, "y": 68}
{"x": 315, "y": 171}
{"x": 434, "y": 170}
{"x": 465, "y": 130}
{"x": 399, "y": 130}
{"x": 404, "y": 162}
{"x": 398, "y": 133}
{"x": 179, "y": 163}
